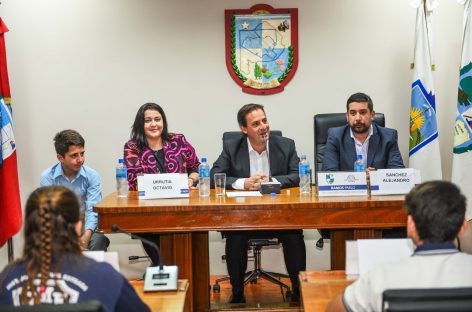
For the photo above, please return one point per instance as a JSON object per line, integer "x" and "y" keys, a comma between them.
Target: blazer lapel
{"x": 273, "y": 152}
{"x": 149, "y": 160}
{"x": 349, "y": 148}
{"x": 245, "y": 157}
{"x": 373, "y": 146}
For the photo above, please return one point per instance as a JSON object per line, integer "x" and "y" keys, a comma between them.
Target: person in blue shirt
{"x": 71, "y": 172}
{"x": 53, "y": 269}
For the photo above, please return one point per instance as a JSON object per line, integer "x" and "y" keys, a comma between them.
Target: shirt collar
{"x": 436, "y": 248}
{"x": 251, "y": 150}
{"x": 59, "y": 172}
{"x": 371, "y": 131}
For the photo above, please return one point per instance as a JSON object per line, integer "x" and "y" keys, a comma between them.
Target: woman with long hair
{"x": 52, "y": 269}
{"x": 152, "y": 149}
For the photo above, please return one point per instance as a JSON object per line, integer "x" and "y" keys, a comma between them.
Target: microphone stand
{"x": 269, "y": 187}
{"x": 160, "y": 278}
{"x": 266, "y": 142}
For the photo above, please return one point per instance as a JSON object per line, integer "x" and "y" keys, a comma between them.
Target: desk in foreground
{"x": 184, "y": 224}
{"x": 319, "y": 288}
{"x": 163, "y": 301}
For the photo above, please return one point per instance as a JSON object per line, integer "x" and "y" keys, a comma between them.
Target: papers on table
{"x": 243, "y": 194}
{"x": 365, "y": 254}
{"x": 110, "y": 257}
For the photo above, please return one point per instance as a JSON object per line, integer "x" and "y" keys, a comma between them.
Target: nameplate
{"x": 392, "y": 181}
{"x": 342, "y": 184}
{"x": 166, "y": 185}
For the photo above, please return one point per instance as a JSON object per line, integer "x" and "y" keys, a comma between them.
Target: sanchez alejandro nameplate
{"x": 342, "y": 184}
{"x": 392, "y": 181}
{"x": 166, "y": 185}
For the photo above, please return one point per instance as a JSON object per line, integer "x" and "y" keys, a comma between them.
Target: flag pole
{"x": 10, "y": 250}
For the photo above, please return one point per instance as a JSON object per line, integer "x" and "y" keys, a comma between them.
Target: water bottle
{"x": 204, "y": 178}
{"x": 121, "y": 179}
{"x": 304, "y": 173}
{"x": 359, "y": 164}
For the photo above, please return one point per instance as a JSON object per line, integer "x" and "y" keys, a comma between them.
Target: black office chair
{"x": 252, "y": 276}
{"x": 256, "y": 245}
{"x": 321, "y": 124}
{"x": 85, "y": 306}
{"x": 431, "y": 300}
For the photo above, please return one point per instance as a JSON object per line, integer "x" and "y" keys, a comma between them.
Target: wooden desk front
{"x": 185, "y": 224}
{"x": 319, "y": 288}
{"x": 172, "y": 301}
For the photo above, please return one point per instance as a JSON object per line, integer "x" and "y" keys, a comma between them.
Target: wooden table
{"x": 319, "y": 288}
{"x": 171, "y": 301}
{"x": 185, "y": 223}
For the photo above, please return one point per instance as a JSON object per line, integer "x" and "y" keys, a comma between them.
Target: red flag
{"x": 10, "y": 206}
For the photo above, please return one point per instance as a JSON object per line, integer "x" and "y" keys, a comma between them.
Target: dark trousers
{"x": 98, "y": 241}
{"x": 236, "y": 254}
{"x": 151, "y": 251}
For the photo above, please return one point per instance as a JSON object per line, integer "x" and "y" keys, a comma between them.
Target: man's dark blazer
{"x": 234, "y": 161}
{"x": 340, "y": 151}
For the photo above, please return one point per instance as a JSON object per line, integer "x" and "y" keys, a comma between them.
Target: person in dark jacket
{"x": 52, "y": 269}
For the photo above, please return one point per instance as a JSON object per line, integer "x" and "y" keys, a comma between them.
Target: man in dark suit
{"x": 245, "y": 160}
{"x": 377, "y": 145}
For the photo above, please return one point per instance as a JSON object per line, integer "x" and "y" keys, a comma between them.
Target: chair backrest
{"x": 237, "y": 134}
{"x": 85, "y": 306}
{"x": 439, "y": 299}
{"x": 321, "y": 124}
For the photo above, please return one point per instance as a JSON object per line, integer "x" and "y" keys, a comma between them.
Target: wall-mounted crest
{"x": 262, "y": 47}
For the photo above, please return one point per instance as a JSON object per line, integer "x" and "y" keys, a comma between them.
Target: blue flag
{"x": 424, "y": 146}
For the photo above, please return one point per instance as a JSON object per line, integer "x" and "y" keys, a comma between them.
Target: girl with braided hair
{"x": 52, "y": 269}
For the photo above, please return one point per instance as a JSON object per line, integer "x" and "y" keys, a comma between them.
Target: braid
{"x": 45, "y": 241}
{"x": 45, "y": 218}
{"x": 45, "y": 215}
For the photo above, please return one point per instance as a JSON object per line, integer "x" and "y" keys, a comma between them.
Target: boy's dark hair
{"x": 438, "y": 209}
{"x": 67, "y": 138}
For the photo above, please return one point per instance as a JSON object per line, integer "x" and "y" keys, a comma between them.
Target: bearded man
{"x": 377, "y": 145}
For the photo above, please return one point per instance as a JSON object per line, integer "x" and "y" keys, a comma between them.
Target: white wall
{"x": 89, "y": 64}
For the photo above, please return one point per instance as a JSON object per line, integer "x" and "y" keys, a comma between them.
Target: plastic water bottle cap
{"x": 359, "y": 156}
{"x": 120, "y": 161}
{"x": 204, "y": 159}
{"x": 272, "y": 194}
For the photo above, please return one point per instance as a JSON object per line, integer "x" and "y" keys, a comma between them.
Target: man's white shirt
{"x": 362, "y": 148}
{"x": 259, "y": 164}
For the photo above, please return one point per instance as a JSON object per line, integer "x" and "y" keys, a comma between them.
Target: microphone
{"x": 269, "y": 187}
{"x": 265, "y": 138}
{"x": 133, "y": 258}
{"x": 160, "y": 278}
{"x": 116, "y": 228}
